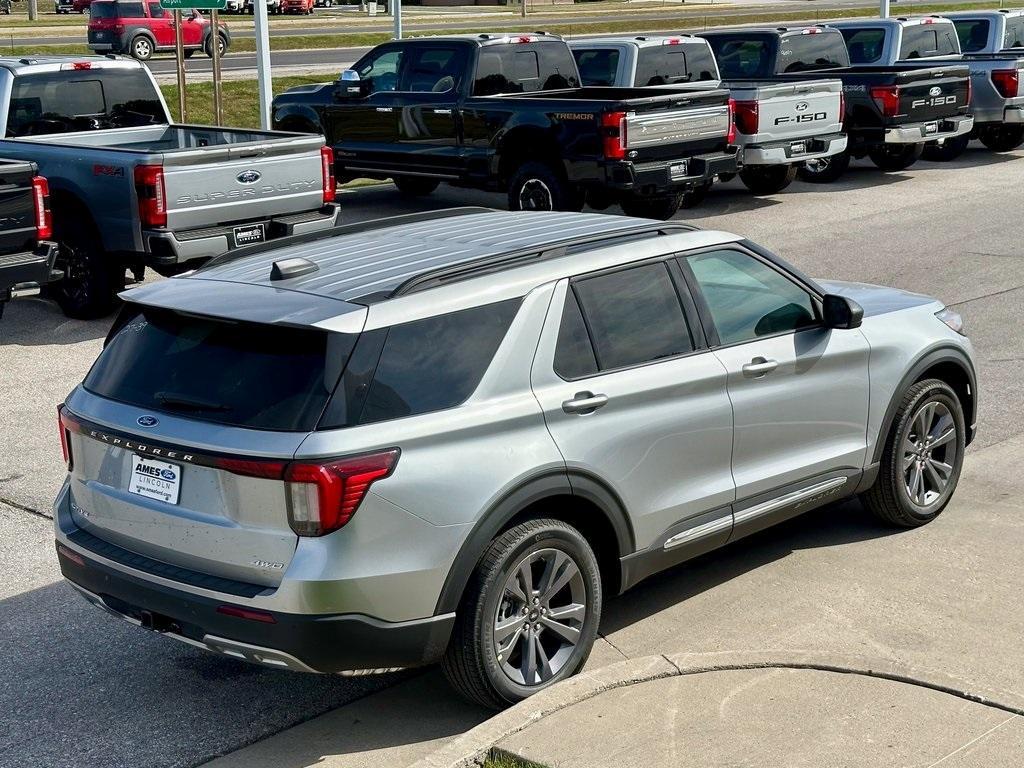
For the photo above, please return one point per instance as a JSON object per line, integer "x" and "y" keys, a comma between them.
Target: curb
{"x": 472, "y": 747}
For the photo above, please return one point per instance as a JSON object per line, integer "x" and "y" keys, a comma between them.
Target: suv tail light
{"x": 322, "y": 497}
{"x": 65, "y": 444}
{"x": 731, "y": 136}
{"x": 149, "y": 186}
{"x": 746, "y": 116}
{"x": 887, "y": 97}
{"x": 1006, "y": 81}
{"x": 41, "y": 200}
{"x": 327, "y": 169}
{"x": 613, "y": 132}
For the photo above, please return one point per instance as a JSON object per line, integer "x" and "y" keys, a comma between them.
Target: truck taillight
{"x": 327, "y": 169}
{"x": 842, "y": 108}
{"x": 1006, "y": 81}
{"x": 65, "y": 443}
{"x": 731, "y": 136}
{"x": 41, "y": 200}
{"x": 887, "y": 97}
{"x": 745, "y": 115}
{"x": 149, "y": 187}
{"x": 323, "y": 496}
{"x": 613, "y": 132}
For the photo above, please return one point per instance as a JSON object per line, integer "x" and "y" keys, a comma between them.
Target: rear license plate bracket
{"x": 249, "y": 234}
{"x": 678, "y": 171}
{"x": 155, "y": 479}
{"x": 930, "y": 128}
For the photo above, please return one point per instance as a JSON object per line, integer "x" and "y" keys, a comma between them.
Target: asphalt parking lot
{"x": 79, "y": 688}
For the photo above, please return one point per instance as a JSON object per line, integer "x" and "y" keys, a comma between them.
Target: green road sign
{"x": 185, "y": 5}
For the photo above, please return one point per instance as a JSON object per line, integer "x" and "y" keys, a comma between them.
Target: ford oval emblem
{"x": 802, "y": 106}
{"x": 935, "y": 91}
{"x": 249, "y": 177}
{"x": 147, "y": 421}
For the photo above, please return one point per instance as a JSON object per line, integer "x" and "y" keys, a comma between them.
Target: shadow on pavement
{"x": 39, "y": 322}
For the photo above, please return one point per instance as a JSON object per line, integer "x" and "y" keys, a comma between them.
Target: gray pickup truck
{"x": 988, "y": 31}
{"x": 26, "y": 253}
{"x": 997, "y": 95}
{"x": 131, "y": 190}
{"x": 779, "y": 126}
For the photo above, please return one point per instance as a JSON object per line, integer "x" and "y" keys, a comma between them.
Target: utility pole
{"x": 883, "y": 10}
{"x": 33, "y": 10}
{"x": 263, "y": 61}
{"x": 396, "y": 6}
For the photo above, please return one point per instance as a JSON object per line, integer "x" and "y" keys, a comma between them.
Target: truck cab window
{"x": 973, "y": 34}
{"x": 433, "y": 70}
{"x": 381, "y": 71}
{"x": 739, "y": 58}
{"x": 923, "y": 41}
{"x": 811, "y": 52}
{"x": 662, "y": 65}
{"x": 598, "y": 67}
{"x": 864, "y": 45}
{"x": 1014, "y": 35}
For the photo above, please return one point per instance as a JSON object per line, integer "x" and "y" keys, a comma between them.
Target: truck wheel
{"x": 922, "y": 459}
{"x": 661, "y": 208}
{"x": 694, "y": 197}
{"x": 538, "y": 187}
{"x": 824, "y": 170}
{"x": 949, "y": 149}
{"x": 529, "y": 616}
{"x": 91, "y": 279}
{"x": 896, "y": 158}
{"x": 1005, "y": 138}
{"x": 767, "y": 179}
{"x": 189, "y": 53}
{"x": 141, "y": 48}
{"x": 414, "y": 186}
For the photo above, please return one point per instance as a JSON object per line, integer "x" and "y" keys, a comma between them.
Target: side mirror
{"x": 841, "y": 312}
{"x": 349, "y": 85}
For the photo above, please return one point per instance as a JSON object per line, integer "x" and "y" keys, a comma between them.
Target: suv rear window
{"x": 242, "y": 374}
{"x": 82, "y": 100}
{"x": 103, "y": 11}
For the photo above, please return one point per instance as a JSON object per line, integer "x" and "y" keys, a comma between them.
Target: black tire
{"x": 189, "y": 53}
{"x": 889, "y": 498}
{"x": 539, "y": 187}
{"x": 208, "y": 46}
{"x": 767, "y": 179}
{"x": 1005, "y": 138}
{"x": 694, "y": 197}
{"x": 141, "y": 48}
{"x": 472, "y": 663}
{"x": 949, "y": 149}
{"x": 414, "y": 186}
{"x": 661, "y": 208}
{"x": 899, "y": 157}
{"x": 91, "y": 279}
{"x": 824, "y": 170}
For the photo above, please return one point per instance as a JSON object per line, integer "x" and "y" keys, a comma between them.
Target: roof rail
{"x": 344, "y": 229}
{"x": 519, "y": 257}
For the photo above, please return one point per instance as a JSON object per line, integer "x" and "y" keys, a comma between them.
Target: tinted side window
{"x": 436, "y": 363}
{"x": 973, "y": 34}
{"x": 634, "y": 316}
{"x": 748, "y": 298}
{"x": 1014, "y": 35}
{"x": 809, "y": 52}
{"x": 381, "y": 70}
{"x": 701, "y": 62}
{"x": 598, "y": 66}
{"x": 743, "y": 57}
{"x": 523, "y": 68}
{"x": 434, "y": 70}
{"x": 574, "y": 354}
{"x": 557, "y": 67}
{"x": 864, "y": 45}
{"x": 130, "y": 10}
{"x": 155, "y": 11}
{"x": 661, "y": 65}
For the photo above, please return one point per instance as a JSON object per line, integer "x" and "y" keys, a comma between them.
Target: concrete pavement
{"x": 77, "y": 687}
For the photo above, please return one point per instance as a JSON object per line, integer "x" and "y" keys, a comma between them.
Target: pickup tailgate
{"x": 17, "y": 209}
{"x": 933, "y": 94}
{"x": 657, "y": 128}
{"x": 227, "y": 183}
{"x": 792, "y": 110}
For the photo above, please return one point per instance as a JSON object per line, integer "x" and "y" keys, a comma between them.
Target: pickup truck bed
{"x": 26, "y": 261}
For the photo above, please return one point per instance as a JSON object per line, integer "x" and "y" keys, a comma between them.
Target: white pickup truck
{"x": 779, "y": 126}
{"x": 130, "y": 189}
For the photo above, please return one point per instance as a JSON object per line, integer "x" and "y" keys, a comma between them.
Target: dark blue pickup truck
{"x": 26, "y": 253}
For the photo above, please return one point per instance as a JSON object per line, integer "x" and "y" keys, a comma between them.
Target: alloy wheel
{"x": 535, "y": 195}
{"x": 929, "y": 454}
{"x": 540, "y": 617}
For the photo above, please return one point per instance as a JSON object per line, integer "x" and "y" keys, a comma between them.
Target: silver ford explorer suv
{"x": 448, "y": 436}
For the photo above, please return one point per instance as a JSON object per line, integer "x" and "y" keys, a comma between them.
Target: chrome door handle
{"x": 442, "y": 111}
{"x": 385, "y": 109}
{"x": 584, "y": 402}
{"x": 759, "y": 367}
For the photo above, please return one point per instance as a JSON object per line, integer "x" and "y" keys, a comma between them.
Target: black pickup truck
{"x": 506, "y": 112}
{"x": 891, "y": 112}
{"x": 26, "y": 254}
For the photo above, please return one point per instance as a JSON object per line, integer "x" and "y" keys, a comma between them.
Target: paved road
{"x": 77, "y": 687}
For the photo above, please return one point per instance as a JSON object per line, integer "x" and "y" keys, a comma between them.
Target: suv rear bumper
{"x": 166, "y": 248}
{"x": 306, "y": 643}
{"x": 914, "y": 133}
{"x": 795, "y": 151}
{"x": 668, "y": 176}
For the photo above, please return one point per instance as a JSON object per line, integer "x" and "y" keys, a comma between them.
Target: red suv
{"x": 141, "y": 28}
{"x": 297, "y": 6}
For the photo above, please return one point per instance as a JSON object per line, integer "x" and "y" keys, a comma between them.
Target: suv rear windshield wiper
{"x": 188, "y": 403}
